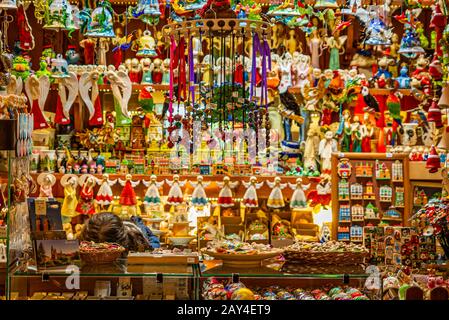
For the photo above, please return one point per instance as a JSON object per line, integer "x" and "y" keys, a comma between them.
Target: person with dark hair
{"x": 108, "y": 227}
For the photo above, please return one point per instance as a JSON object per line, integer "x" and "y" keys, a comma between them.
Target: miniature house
{"x": 382, "y": 171}
{"x": 397, "y": 171}
{"x": 399, "y": 197}
{"x": 356, "y": 233}
{"x": 364, "y": 169}
{"x": 344, "y": 213}
{"x": 392, "y": 213}
{"x": 356, "y": 191}
{"x": 357, "y": 213}
{"x": 343, "y": 190}
{"x": 371, "y": 212}
{"x": 343, "y": 233}
{"x": 369, "y": 194}
{"x": 344, "y": 168}
{"x": 385, "y": 193}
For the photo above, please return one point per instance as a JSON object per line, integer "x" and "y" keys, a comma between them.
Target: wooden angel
{"x": 326, "y": 147}
{"x": 276, "y": 198}
{"x": 102, "y": 49}
{"x": 46, "y": 182}
{"x": 199, "y": 197}
{"x": 121, "y": 87}
{"x": 37, "y": 90}
{"x": 152, "y": 195}
{"x": 285, "y": 68}
{"x": 175, "y": 196}
{"x": 67, "y": 93}
{"x": 298, "y": 199}
{"x": 336, "y": 48}
{"x": 89, "y": 93}
{"x": 250, "y": 199}
{"x": 69, "y": 182}
{"x": 15, "y": 86}
{"x": 104, "y": 195}
{"x": 225, "y": 197}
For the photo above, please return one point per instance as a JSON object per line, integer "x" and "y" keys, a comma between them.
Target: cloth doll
{"x": 322, "y": 194}
{"x": 69, "y": 182}
{"x": 225, "y": 198}
{"x": 175, "y": 196}
{"x": 199, "y": 197}
{"x": 104, "y": 194}
{"x": 327, "y": 145}
{"x": 46, "y": 182}
{"x": 276, "y": 198}
{"x": 298, "y": 199}
{"x": 152, "y": 196}
{"x": 86, "y": 200}
{"x": 128, "y": 199}
{"x": 250, "y": 199}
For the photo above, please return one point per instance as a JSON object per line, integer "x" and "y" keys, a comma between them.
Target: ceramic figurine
{"x": 291, "y": 43}
{"x": 37, "y": 90}
{"x": 157, "y": 72}
{"x": 67, "y": 93}
{"x": 152, "y": 196}
{"x": 276, "y": 198}
{"x": 377, "y": 33}
{"x": 422, "y": 38}
{"x": 46, "y": 181}
{"x": 250, "y": 199}
{"x": 315, "y": 44}
{"x": 121, "y": 87}
{"x": 410, "y": 44}
{"x": 383, "y": 75}
{"x": 311, "y": 147}
{"x": 346, "y": 133}
{"x": 89, "y": 93}
{"x": 322, "y": 194}
{"x": 102, "y": 49}
{"x": 199, "y": 197}
{"x": 146, "y": 45}
{"x": 298, "y": 199}
{"x": 303, "y": 70}
{"x": 89, "y": 50}
{"x": 336, "y": 48}
{"x": 367, "y": 132}
{"x": 225, "y": 198}
{"x": 71, "y": 55}
{"x": 147, "y": 70}
{"x": 420, "y": 77}
{"x": 285, "y": 67}
{"x": 100, "y": 22}
{"x": 175, "y": 196}
{"x": 356, "y": 135}
{"x": 86, "y": 200}
{"x": 403, "y": 79}
{"x": 104, "y": 195}
{"x": 327, "y": 146}
{"x": 69, "y": 182}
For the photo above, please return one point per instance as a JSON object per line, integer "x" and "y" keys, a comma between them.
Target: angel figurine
{"x": 250, "y": 199}
{"x": 327, "y": 146}
{"x": 152, "y": 196}
{"x": 104, "y": 194}
{"x": 199, "y": 197}
{"x": 89, "y": 93}
{"x": 86, "y": 201}
{"x": 336, "y": 48}
{"x": 37, "y": 90}
{"x": 175, "y": 196}
{"x": 46, "y": 182}
{"x": 69, "y": 182}
{"x": 225, "y": 198}
{"x": 121, "y": 87}
{"x": 322, "y": 194}
{"x": 276, "y": 198}
{"x": 298, "y": 199}
{"x": 67, "y": 93}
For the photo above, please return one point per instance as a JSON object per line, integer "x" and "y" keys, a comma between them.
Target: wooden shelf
{"x": 372, "y": 91}
{"x": 136, "y": 87}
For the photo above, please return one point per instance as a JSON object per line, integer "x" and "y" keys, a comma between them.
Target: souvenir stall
{"x": 237, "y": 149}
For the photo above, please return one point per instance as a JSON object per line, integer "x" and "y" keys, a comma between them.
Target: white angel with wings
{"x": 68, "y": 96}
{"x": 175, "y": 196}
{"x": 104, "y": 194}
{"x": 152, "y": 196}
{"x": 37, "y": 90}
{"x": 121, "y": 87}
{"x": 276, "y": 198}
{"x": 199, "y": 197}
{"x": 15, "y": 85}
{"x": 298, "y": 199}
{"x": 250, "y": 199}
{"x": 89, "y": 81}
{"x": 225, "y": 198}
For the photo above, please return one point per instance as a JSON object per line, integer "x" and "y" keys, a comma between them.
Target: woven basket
{"x": 101, "y": 257}
{"x": 325, "y": 258}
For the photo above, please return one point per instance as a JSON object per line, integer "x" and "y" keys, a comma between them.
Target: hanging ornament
{"x": 434, "y": 114}
{"x": 59, "y": 67}
{"x": 147, "y": 46}
{"x": 438, "y": 22}
{"x": 8, "y": 4}
{"x": 147, "y": 11}
{"x": 433, "y": 160}
{"x": 26, "y": 37}
{"x": 56, "y": 14}
{"x": 326, "y": 4}
{"x": 377, "y": 33}
{"x": 100, "y": 21}
{"x": 410, "y": 44}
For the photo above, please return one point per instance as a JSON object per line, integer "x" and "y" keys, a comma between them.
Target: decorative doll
{"x": 322, "y": 194}
{"x": 298, "y": 199}
{"x": 356, "y": 135}
{"x": 315, "y": 46}
{"x": 225, "y": 198}
{"x": 291, "y": 43}
{"x": 166, "y": 72}
{"x": 327, "y": 146}
{"x": 135, "y": 73}
{"x": 89, "y": 93}
{"x": 104, "y": 194}
{"x": 367, "y": 132}
{"x": 121, "y": 87}
{"x": 285, "y": 67}
{"x": 157, "y": 71}
{"x": 88, "y": 45}
{"x": 250, "y": 199}
{"x": 69, "y": 183}
{"x": 303, "y": 70}
{"x": 86, "y": 200}
{"x": 199, "y": 197}
{"x": 403, "y": 79}
{"x": 128, "y": 199}
{"x": 175, "y": 196}
{"x": 312, "y": 142}
{"x": 276, "y": 198}
{"x": 152, "y": 196}
{"x": 383, "y": 75}
{"x": 102, "y": 49}
{"x": 336, "y": 48}
{"x": 346, "y": 132}
{"x": 147, "y": 71}
{"x": 46, "y": 181}
{"x": 37, "y": 90}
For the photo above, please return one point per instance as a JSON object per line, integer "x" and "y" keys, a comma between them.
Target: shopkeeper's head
{"x": 108, "y": 227}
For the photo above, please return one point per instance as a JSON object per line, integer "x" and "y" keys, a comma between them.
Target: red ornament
{"x": 433, "y": 161}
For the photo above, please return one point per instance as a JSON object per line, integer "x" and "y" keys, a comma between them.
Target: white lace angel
{"x": 104, "y": 195}
{"x": 298, "y": 199}
{"x": 225, "y": 198}
{"x": 199, "y": 197}
{"x": 152, "y": 196}
{"x": 250, "y": 199}
{"x": 88, "y": 90}
{"x": 276, "y": 198}
{"x": 175, "y": 196}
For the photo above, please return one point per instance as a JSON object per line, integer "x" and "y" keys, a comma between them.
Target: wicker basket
{"x": 101, "y": 257}
{"x": 325, "y": 258}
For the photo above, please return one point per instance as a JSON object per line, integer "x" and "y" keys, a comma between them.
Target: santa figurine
{"x": 175, "y": 196}
{"x": 322, "y": 194}
{"x": 250, "y": 199}
{"x": 225, "y": 198}
{"x": 433, "y": 162}
{"x": 128, "y": 199}
{"x": 298, "y": 199}
{"x": 199, "y": 197}
{"x": 276, "y": 198}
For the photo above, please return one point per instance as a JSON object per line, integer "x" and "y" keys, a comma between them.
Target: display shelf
{"x": 135, "y": 87}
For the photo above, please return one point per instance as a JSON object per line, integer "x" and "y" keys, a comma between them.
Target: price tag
{"x": 389, "y": 155}
{"x": 40, "y": 206}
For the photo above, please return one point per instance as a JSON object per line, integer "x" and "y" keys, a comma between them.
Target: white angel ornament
{"x": 128, "y": 199}
{"x": 67, "y": 91}
{"x": 276, "y": 198}
{"x": 298, "y": 199}
{"x": 15, "y": 85}
{"x": 37, "y": 90}
{"x": 121, "y": 87}
{"x": 152, "y": 196}
{"x": 225, "y": 198}
{"x": 326, "y": 147}
{"x": 199, "y": 197}
{"x": 104, "y": 194}
{"x": 250, "y": 199}
{"x": 89, "y": 82}
{"x": 175, "y": 196}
